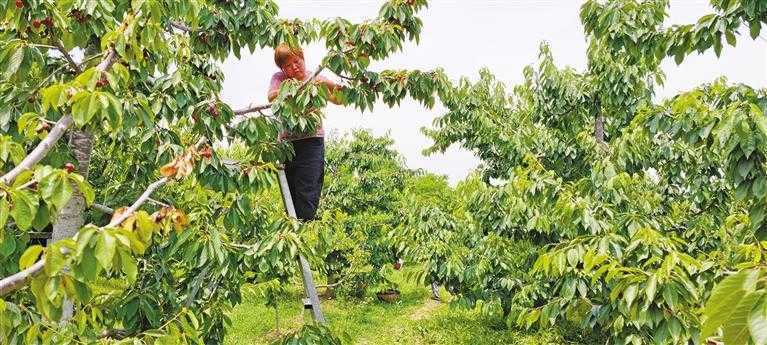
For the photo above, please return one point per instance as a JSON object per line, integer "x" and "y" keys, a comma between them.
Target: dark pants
{"x": 305, "y": 173}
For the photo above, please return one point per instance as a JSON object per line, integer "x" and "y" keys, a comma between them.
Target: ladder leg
{"x": 313, "y": 301}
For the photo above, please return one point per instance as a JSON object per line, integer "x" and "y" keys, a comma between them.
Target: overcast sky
{"x": 463, "y": 36}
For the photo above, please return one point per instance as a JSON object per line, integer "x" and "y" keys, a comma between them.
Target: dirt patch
{"x": 425, "y": 310}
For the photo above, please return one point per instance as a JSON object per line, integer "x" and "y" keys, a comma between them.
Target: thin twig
{"x": 158, "y": 203}
{"x": 180, "y": 26}
{"x": 103, "y": 208}
{"x": 72, "y": 63}
{"x": 42, "y": 46}
{"x": 140, "y": 201}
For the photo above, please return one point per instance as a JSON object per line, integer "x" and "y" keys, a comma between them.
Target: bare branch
{"x": 180, "y": 26}
{"x": 252, "y": 109}
{"x": 72, "y": 63}
{"x": 107, "y": 61}
{"x": 40, "y": 150}
{"x": 140, "y": 201}
{"x": 103, "y": 208}
{"x": 21, "y": 278}
{"x": 116, "y": 334}
{"x": 158, "y": 203}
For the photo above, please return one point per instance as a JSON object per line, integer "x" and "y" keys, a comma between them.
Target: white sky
{"x": 463, "y": 36}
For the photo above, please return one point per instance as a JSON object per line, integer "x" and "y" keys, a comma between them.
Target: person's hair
{"x": 283, "y": 51}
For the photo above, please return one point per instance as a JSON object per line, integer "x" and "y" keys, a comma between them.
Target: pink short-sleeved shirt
{"x": 274, "y": 85}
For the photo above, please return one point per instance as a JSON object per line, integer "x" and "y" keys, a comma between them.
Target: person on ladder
{"x": 306, "y": 170}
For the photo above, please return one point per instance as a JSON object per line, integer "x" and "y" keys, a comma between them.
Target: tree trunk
{"x": 435, "y": 291}
{"x": 70, "y": 219}
{"x": 599, "y": 129}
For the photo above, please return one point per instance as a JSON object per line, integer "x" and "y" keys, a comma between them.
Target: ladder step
{"x": 308, "y": 304}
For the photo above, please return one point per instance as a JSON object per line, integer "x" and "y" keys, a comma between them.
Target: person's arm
{"x": 272, "y": 95}
{"x": 332, "y": 88}
{"x": 274, "y": 87}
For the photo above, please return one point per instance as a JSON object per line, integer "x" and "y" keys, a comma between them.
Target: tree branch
{"x": 60, "y": 46}
{"x": 180, "y": 26}
{"x": 39, "y": 152}
{"x": 103, "y": 208}
{"x": 253, "y": 109}
{"x": 20, "y": 279}
{"x": 116, "y": 334}
{"x": 140, "y": 201}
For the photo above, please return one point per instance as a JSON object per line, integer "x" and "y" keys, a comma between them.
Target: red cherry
{"x": 397, "y": 265}
{"x": 102, "y": 81}
{"x": 48, "y": 22}
{"x": 19, "y": 3}
{"x": 69, "y": 167}
{"x": 43, "y": 127}
{"x": 36, "y": 23}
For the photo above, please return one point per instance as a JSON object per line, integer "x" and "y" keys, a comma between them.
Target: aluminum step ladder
{"x": 311, "y": 300}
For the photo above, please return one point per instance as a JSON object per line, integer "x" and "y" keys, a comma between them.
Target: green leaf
{"x": 53, "y": 97}
{"x": 5, "y": 208}
{"x": 85, "y": 106}
{"x": 652, "y": 284}
{"x": 718, "y": 46}
{"x": 105, "y": 249}
{"x": 83, "y": 238}
{"x": 30, "y": 256}
{"x": 755, "y": 27}
{"x": 757, "y": 324}
{"x": 24, "y": 208}
{"x": 84, "y": 187}
{"x": 744, "y": 167}
{"x": 54, "y": 261}
{"x": 88, "y": 266}
{"x": 55, "y": 189}
{"x": 82, "y": 291}
{"x": 736, "y": 328}
{"x": 629, "y": 295}
{"x": 88, "y": 79}
{"x": 42, "y": 218}
{"x": 128, "y": 266}
{"x": 7, "y": 246}
{"x": 14, "y": 62}
{"x": 719, "y": 307}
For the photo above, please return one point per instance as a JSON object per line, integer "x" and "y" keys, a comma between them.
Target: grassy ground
{"x": 415, "y": 319}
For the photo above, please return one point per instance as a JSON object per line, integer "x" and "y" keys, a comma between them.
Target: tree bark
{"x": 435, "y": 292}
{"x": 70, "y": 218}
{"x": 599, "y": 129}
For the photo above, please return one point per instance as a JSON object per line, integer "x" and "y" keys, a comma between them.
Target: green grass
{"x": 414, "y": 319}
